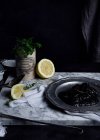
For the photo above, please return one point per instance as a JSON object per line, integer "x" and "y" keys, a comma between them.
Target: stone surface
{"x": 45, "y": 115}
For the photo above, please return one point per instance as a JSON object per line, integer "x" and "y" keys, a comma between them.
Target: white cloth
{"x": 2, "y": 130}
{"x": 32, "y": 97}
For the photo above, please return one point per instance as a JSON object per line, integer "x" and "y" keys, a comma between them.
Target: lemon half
{"x": 45, "y": 68}
{"x": 17, "y": 91}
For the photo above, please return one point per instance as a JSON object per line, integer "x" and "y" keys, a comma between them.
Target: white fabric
{"x": 32, "y": 97}
{"x": 2, "y": 130}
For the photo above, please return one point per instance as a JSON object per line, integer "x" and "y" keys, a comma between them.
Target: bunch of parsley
{"x": 25, "y": 46}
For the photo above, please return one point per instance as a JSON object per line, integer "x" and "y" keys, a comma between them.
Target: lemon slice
{"x": 17, "y": 91}
{"x": 45, "y": 68}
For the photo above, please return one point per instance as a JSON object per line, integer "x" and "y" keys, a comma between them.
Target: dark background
{"x": 57, "y": 25}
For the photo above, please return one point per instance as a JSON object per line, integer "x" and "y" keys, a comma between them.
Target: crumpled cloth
{"x": 32, "y": 97}
{"x": 2, "y": 130}
{"x": 91, "y": 29}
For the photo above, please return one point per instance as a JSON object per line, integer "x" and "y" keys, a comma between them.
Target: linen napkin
{"x": 2, "y": 130}
{"x": 33, "y": 98}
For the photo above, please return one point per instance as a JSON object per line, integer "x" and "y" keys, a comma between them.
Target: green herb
{"x": 29, "y": 86}
{"x": 25, "y": 46}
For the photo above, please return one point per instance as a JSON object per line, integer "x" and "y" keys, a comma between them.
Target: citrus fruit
{"x": 17, "y": 91}
{"x": 45, "y": 68}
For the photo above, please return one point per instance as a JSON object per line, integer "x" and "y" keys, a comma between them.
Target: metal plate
{"x": 54, "y": 88}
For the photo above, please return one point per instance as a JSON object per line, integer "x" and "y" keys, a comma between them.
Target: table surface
{"x": 45, "y": 115}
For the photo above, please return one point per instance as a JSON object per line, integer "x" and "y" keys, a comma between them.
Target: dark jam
{"x": 80, "y": 95}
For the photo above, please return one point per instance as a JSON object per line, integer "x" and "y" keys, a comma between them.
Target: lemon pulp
{"x": 17, "y": 91}
{"x": 45, "y": 68}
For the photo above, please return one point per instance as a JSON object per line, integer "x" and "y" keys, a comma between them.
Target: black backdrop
{"x": 56, "y": 24}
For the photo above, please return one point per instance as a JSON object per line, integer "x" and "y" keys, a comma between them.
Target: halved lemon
{"x": 45, "y": 68}
{"x": 17, "y": 91}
